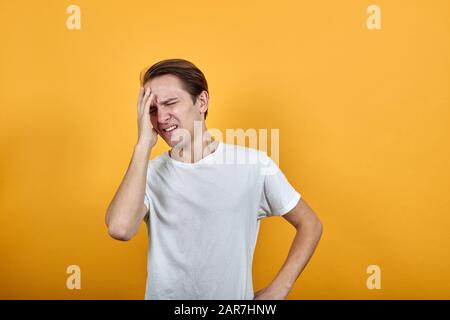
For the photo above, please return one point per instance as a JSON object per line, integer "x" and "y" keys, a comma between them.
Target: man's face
{"x": 173, "y": 106}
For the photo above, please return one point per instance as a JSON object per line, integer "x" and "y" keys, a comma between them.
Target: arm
{"x": 309, "y": 231}
{"x": 127, "y": 209}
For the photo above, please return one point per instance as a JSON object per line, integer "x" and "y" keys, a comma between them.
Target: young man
{"x": 203, "y": 200}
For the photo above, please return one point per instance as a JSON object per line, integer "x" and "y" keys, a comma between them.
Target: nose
{"x": 163, "y": 115}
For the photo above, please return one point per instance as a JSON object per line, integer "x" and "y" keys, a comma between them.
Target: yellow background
{"x": 363, "y": 118}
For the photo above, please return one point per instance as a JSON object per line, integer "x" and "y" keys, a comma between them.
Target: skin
{"x": 168, "y": 103}
{"x": 308, "y": 232}
{"x": 126, "y": 211}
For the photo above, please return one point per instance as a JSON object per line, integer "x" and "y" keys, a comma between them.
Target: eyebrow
{"x": 167, "y": 100}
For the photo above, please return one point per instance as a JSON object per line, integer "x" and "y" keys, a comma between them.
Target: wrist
{"x": 143, "y": 145}
{"x": 281, "y": 287}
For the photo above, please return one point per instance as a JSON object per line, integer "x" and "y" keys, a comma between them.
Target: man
{"x": 202, "y": 200}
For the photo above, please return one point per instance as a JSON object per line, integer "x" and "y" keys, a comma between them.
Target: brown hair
{"x": 193, "y": 80}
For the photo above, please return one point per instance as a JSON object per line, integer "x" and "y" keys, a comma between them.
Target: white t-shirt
{"x": 204, "y": 220}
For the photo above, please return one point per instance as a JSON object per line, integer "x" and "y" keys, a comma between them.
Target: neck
{"x": 200, "y": 146}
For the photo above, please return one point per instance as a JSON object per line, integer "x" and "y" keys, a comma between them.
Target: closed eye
{"x": 153, "y": 109}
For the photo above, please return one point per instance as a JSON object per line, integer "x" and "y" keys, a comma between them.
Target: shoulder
{"x": 241, "y": 150}
{"x": 158, "y": 163}
{"x": 243, "y": 154}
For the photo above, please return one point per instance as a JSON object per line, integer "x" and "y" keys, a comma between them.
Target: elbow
{"x": 312, "y": 227}
{"x": 119, "y": 232}
{"x": 319, "y": 229}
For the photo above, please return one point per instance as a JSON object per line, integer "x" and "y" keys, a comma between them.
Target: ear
{"x": 202, "y": 100}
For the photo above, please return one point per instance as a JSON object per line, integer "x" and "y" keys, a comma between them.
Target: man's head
{"x": 181, "y": 96}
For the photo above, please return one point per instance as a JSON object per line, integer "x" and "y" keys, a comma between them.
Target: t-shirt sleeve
{"x": 147, "y": 198}
{"x": 278, "y": 197}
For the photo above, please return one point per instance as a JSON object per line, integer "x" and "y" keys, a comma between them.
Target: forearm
{"x": 123, "y": 216}
{"x": 301, "y": 250}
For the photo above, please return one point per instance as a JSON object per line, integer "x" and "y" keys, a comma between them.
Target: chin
{"x": 169, "y": 142}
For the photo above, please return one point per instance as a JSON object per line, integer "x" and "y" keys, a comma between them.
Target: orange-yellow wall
{"x": 363, "y": 118}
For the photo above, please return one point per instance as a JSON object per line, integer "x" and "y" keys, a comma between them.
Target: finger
{"x": 144, "y": 99}
{"x": 148, "y": 103}
{"x": 141, "y": 100}
{"x": 140, "y": 95}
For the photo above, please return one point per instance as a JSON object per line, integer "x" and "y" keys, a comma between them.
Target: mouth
{"x": 170, "y": 129}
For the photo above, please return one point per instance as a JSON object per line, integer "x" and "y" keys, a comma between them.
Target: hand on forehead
{"x": 166, "y": 87}
{"x": 161, "y": 95}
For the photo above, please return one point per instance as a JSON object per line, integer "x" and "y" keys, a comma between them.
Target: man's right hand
{"x": 146, "y": 132}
